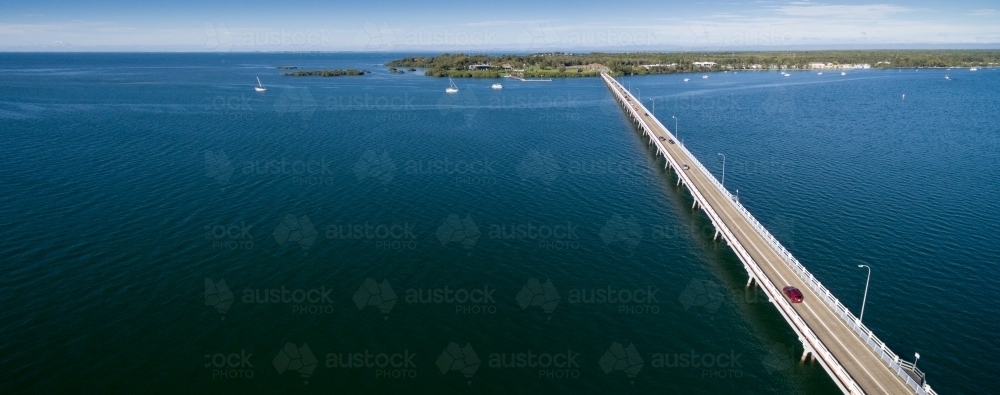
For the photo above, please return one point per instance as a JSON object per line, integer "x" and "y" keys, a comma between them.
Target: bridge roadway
{"x": 856, "y": 360}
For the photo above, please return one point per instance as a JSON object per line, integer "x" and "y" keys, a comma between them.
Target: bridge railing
{"x": 894, "y": 362}
{"x": 809, "y": 337}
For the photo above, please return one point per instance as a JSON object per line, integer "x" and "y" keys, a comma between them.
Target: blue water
{"x": 131, "y": 179}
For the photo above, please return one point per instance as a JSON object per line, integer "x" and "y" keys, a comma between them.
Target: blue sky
{"x": 523, "y": 26}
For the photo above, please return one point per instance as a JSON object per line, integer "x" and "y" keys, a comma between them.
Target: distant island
{"x": 560, "y": 64}
{"x": 326, "y": 73}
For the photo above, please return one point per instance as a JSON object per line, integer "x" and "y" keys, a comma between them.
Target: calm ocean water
{"x": 166, "y": 229}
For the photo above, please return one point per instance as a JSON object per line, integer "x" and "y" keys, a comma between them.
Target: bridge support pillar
{"x": 716, "y": 234}
{"x": 807, "y": 352}
{"x": 749, "y": 281}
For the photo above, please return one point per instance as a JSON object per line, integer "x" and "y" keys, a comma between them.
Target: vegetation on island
{"x": 558, "y": 64}
{"x": 326, "y": 73}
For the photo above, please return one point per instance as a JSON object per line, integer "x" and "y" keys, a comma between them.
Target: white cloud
{"x": 983, "y": 12}
{"x": 810, "y": 10}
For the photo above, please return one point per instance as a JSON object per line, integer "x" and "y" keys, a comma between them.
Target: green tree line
{"x": 557, "y": 64}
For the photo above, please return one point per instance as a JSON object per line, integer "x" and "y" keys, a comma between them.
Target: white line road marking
{"x": 727, "y": 216}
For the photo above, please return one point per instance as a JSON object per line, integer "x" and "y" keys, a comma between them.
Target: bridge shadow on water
{"x": 778, "y": 348}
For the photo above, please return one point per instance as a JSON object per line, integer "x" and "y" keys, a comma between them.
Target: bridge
{"x": 855, "y": 358}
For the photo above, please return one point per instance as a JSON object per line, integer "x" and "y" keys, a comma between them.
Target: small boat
{"x": 819, "y": 73}
{"x": 496, "y": 86}
{"x": 704, "y": 76}
{"x": 947, "y": 77}
{"x": 843, "y": 73}
{"x": 973, "y": 69}
{"x": 452, "y": 88}
{"x": 687, "y": 79}
{"x": 260, "y": 87}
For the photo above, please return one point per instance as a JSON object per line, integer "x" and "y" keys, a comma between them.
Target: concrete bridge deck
{"x": 853, "y": 356}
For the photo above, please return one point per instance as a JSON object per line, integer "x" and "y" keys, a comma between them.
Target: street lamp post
{"x": 916, "y": 357}
{"x": 865, "y": 299}
{"x": 723, "y": 169}
{"x": 676, "y": 134}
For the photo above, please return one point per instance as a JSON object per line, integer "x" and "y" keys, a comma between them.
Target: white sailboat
{"x": 496, "y": 86}
{"x": 704, "y": 76}
{"x": 843, "y": 73}
{"x": 452, "y": 88}
{"x": 687, "y": 79}
{"x": 260, "y": 87}
{"x": 973, "y": 69}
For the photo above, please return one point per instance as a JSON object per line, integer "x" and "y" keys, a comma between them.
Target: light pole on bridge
{"x": 676, "y": 134}
{"x": 723, "y": 169}
{"x": 865, "y": 299}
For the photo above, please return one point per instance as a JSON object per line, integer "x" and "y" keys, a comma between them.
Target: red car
{"x": 793, "y": 294}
